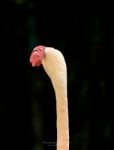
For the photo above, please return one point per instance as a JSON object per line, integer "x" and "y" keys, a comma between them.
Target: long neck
{"x": 55, "y": 66}
{"x": 62, "y": 122}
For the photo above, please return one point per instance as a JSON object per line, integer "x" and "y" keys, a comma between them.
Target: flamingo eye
{"x": 35, "y": 50}
{"x": 38, "y": 50}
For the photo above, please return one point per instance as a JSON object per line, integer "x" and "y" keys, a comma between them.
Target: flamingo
{"x": 55, "y": 66}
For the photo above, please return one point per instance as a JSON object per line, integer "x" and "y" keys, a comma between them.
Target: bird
{"x": 55, "y": 67}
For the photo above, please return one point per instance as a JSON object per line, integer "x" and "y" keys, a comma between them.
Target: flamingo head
{"x": 37, "y": 55}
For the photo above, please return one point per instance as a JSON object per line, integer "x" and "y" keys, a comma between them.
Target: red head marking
{"x": 37, "y": 55}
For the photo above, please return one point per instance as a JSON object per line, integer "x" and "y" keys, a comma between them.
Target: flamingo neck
{"x": 62, "y": 122}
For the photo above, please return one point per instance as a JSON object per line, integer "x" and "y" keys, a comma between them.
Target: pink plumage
{"x": 37, "y": 55}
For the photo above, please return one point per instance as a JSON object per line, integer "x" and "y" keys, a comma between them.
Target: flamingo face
{"x": 37, "y": 56}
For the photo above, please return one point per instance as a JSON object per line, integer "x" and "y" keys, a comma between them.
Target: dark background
{"x": 27, "y": 104}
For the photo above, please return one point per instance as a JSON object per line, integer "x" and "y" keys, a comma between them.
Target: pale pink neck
{"x": 62, "y": 122}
